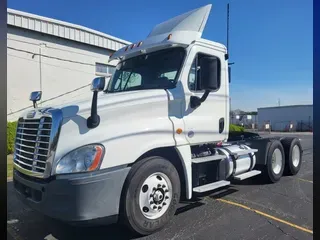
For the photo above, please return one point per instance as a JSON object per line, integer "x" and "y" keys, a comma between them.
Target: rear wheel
{"x": 275, "y": 162}
{"x": 151, "y": 195}
{"x": 293, "y": 155}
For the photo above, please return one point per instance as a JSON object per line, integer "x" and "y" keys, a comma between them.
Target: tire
{"x": 274, "y": 172}
{"x": 293, "y": 154}
{"x": 147, "y": 172}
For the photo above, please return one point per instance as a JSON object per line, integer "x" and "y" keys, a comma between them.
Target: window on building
{"x": 104, "y": 69}
{"x": 195, "y": 73}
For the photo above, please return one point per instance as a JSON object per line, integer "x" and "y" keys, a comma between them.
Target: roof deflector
{"x": 184, "y": 29}
{"x": 193, "y": 22}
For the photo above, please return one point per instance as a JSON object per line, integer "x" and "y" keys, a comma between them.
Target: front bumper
{"x": 74, "y": 197}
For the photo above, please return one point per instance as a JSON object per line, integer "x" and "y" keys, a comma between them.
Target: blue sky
{"x": 270, "y": 41}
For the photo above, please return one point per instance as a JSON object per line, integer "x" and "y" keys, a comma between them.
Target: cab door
{"x": 208, "y": 122}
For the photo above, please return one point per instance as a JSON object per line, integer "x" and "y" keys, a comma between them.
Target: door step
{"x": 216, "y": 157}
{"x": 211, "y": 186}
{"x": 247, "y": 175}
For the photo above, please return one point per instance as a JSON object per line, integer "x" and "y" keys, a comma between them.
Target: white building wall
{"x": 69, "y": 65}
{"x": 56, "y": 57}
{"x": 280, "y": 117}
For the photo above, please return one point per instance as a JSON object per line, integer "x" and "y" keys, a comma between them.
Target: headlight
{"x": 83, "y": 159}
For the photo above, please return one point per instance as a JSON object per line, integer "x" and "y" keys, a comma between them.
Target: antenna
{"x": 228, "y": 27}
{"x": 228, "y": 18}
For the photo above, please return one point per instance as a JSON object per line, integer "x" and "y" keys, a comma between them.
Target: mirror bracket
{"x": 34, "y": 97}
{"x": 195, "y": 101}
{"x": 97, "y": 85}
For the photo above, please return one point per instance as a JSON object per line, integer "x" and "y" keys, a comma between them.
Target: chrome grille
{"x": 32, "y": 145}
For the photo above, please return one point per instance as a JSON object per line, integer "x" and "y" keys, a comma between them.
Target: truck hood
{"x": 136, "y": 120}
{"x": 82, "y": 107}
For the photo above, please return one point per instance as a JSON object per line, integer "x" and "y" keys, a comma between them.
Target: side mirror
{"x": 209, "y": 79}
{"x": 210, "y": 73}
{"x": 34, "y": 97}
{"x": 97, "y": 85}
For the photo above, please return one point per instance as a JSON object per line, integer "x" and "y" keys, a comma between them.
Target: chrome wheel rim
{"x": 155, "y": 195}
{"x": 296, "y": 156}
{"x": 276, "y": 161}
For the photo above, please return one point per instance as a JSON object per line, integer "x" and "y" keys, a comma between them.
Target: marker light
{"x": 132, "y": 46}
{"x": 179, "y": 131}
{"x": 169, "y": 36}
{"x": 139, "y": 44}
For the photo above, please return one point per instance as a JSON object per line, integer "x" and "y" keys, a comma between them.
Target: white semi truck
{"x": 155, "y": 133}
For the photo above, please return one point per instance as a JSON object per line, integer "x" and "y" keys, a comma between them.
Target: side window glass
{"x": 192, "y": 76}
{"x": 170, "y": 75}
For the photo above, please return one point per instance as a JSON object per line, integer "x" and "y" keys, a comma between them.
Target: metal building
{"x": 56, "y": 57}
{"x": 300, "y": 117}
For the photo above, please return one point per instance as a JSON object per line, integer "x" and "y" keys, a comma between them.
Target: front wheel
{"x": 151, "y": 195}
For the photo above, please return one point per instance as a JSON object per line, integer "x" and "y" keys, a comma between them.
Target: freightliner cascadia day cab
{"x": 155, "y": 133}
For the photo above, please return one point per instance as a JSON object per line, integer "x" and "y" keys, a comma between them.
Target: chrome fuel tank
{"x": 239, "y": 165}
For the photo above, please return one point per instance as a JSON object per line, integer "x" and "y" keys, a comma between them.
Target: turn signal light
{"x": 97, "y": 158}
{"x": 179, "y": 131}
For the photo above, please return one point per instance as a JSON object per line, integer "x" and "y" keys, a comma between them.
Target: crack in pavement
{"x": 279, "y": 228}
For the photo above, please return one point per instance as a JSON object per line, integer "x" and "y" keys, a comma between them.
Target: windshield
{"x": 158, "y": 70}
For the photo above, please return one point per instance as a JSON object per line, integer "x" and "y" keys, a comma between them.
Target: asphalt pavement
{"x": 246, "y": 210}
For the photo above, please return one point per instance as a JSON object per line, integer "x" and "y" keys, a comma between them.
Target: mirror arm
{"x": 195, "y": 101}
{"x": 94, "y": 120}
{"x": 205, "y": 95}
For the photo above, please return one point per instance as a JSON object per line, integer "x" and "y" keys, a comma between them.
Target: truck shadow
{"x": 33, "y": 225}
{"x": 257, "y": 180}
{"x": 115, "y": 231}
